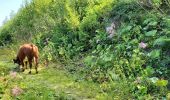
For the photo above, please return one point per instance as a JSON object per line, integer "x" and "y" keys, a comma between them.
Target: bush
{"x": 66, "y": 30}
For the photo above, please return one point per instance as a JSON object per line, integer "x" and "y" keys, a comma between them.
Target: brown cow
{"x": 31, "y": 52}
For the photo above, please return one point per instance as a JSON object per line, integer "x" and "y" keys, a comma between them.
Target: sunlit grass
{"x": 49, "y": 84}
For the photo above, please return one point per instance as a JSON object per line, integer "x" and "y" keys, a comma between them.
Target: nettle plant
{"x": 157, "y": 36}
{"x": 138, "y": 52}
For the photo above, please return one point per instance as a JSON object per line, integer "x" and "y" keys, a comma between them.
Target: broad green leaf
{"x": 151, "y": 33}
{"x": 147, "y": 21}
{"x": 154, "y": 53}
{"x": 161, "y": 41}
{"x": 167, "y": 21}
{"x": 126, "y": 29}
{"x": 162, "y": 82}
{"x": 61, "y": 51}
{"x": 143, "y": 89}
{"x": 149, "y": 71}
{"x": 153, "y": 23}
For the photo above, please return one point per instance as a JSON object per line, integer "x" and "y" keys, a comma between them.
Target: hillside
{"x": 119, "y": 47}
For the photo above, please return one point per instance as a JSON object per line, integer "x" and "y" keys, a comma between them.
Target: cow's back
{"x": 35, "y": 51}
{"x": 25, "y": 50}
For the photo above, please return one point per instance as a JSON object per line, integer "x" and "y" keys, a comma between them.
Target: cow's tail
{"x": 32, "y": 46}
{"x": 33, "y": 51}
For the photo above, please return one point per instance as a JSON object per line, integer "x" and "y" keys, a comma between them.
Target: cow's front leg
{"x": 22, "y": 64}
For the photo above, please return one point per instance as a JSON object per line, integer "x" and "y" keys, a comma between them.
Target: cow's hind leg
{"x": 36, "y": 66}
{"x": 30, "y": 63}
{"x": 26, "y": 63}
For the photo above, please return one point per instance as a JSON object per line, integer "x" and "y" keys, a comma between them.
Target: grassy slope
{"x": 49, "y": 84}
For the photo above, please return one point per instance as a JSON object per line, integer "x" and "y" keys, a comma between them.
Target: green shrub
{"x": 66, "y": 30}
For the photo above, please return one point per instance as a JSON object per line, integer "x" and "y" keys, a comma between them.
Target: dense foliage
{"x": 133, "y": 60}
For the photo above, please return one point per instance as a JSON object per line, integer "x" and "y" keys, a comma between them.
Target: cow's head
{"x": 17, "y": 61}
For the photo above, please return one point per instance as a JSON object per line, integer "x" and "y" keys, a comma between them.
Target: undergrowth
{"x": 130, "y": 62}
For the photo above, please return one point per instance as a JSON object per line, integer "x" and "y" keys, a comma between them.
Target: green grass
{"x": 56, "y": 83}
{"x": 50, "y": 83}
